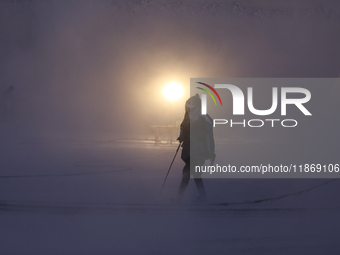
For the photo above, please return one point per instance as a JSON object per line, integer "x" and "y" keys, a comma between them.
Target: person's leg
{"x": 199, "y": 182}
{"x": 184, "y": 182}
{"x": 200, "y": 186}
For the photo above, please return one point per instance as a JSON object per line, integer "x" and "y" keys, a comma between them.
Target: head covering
{"x": 193, "y": 107}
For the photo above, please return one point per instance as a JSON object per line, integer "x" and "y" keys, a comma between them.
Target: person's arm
{"x": 182, "y": 134}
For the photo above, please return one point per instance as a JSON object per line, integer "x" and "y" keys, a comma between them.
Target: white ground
{"x": 115, "y": 212}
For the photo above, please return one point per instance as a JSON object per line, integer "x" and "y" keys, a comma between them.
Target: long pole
{"x": 170, "y": 168}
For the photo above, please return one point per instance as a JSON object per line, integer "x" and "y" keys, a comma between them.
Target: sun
{"x": 173, "y": 91}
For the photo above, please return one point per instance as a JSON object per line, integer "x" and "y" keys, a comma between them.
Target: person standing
{"x": 196, "y": 136}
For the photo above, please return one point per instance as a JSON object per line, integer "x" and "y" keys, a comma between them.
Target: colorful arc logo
{"x": 212, "y": 89}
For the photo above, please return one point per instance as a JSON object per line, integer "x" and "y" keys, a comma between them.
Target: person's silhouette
{"x": 198, "y": 145}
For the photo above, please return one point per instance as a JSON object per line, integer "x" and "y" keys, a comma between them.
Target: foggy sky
{"x": 92, "y": 67}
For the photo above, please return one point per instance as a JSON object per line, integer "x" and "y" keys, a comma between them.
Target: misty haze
{"x": 88, "y": 134}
